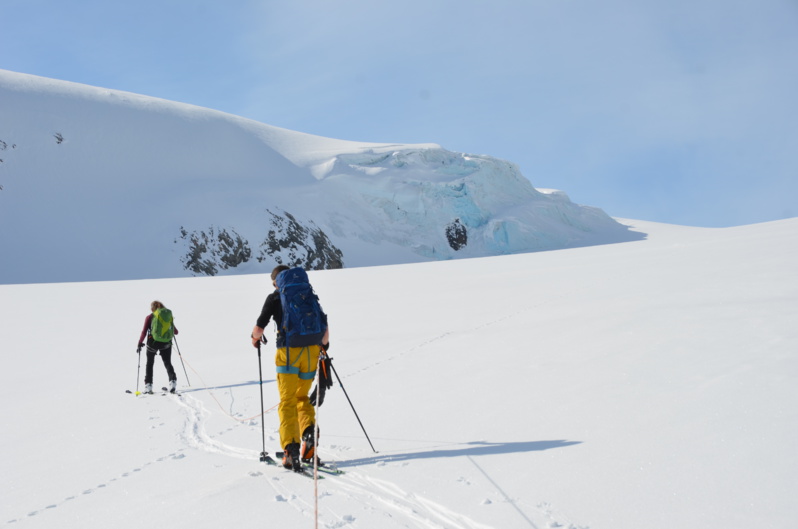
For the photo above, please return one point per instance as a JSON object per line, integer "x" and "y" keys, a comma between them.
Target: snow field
{"x": 644, "y": 384}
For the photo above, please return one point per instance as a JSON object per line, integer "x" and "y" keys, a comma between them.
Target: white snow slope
{"x": 97, "y": 184}
{"x": 650, "y": 384}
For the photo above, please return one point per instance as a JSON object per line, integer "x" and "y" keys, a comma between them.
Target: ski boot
{"x": 308, "y": 443}
{"x": 291, "y": 459}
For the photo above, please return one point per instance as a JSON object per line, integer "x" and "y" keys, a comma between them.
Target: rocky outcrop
{"x": 457, "y": 235}
{"x": 291, "y": 243}
{"x": 214, "y": 250}
{"x": 287, "y": 241}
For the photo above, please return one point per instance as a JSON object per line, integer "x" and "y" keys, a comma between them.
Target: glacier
{"x": 99, "y": 184}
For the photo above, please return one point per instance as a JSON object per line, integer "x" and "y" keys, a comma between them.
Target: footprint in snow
{"x": 346, "y": 520}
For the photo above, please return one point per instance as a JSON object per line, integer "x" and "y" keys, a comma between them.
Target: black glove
{"x": 326, "y": 346}
{"x": 138, "y": 349}
{"x": 313, "y": 396}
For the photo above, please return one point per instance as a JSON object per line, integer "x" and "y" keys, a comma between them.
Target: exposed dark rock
{"x": 287, "y": 242}
{"x": 213, "y": 251}
{"x": 290, "y": 243}
{"x": 457, "y": 235}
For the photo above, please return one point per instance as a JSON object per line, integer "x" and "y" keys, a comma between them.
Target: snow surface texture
{"x": 649, "y": 384}
{"x": 100, "y": 184}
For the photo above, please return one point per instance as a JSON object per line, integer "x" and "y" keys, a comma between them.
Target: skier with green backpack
{"x": 159, "y": 329}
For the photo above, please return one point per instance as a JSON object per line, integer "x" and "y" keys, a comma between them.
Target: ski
{"x": 140, "y": 393}
{"x": 166, "y": 391}
{"x": 266, "y": 458}
{"x": 304, "y": 472}
{"x": 327, "y": 469}
{"x": 332, "y": 471}
{"x": 271, "y": 462}
{"x": 323, "y": 467}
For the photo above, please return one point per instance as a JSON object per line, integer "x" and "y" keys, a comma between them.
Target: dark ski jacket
{"x": 272, "y": 310}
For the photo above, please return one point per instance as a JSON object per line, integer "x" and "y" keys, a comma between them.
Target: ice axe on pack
{"x": 325, "y": 380}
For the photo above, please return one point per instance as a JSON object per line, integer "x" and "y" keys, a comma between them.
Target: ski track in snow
{"x": 359, "y": 489}
{"x": 420, "y": 511}
{"x": 195, "y": 436}
{"x": 404, "y": 508}
{"x": 374, "y": 497}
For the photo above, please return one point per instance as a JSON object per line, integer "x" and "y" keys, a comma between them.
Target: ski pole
{"x": 350, "y": 403}
{"x": 138, "y": 372}
{"x": 181, "y": 361}
{"x": 264, "y": 456}
{"x": 316, "y": 445}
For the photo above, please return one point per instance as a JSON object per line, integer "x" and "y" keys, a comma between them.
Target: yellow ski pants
{"x": 296, "y": 369}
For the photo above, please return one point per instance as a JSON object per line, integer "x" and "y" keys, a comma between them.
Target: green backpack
{"x": 162, "y": 329}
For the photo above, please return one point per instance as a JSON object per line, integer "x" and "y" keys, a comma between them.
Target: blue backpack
{"x": 304, "y": 322}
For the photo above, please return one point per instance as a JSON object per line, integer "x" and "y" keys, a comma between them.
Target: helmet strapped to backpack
{"x": 304, "y": 322}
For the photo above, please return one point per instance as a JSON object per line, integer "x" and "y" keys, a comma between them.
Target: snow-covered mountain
{"x": 101, "y": 184}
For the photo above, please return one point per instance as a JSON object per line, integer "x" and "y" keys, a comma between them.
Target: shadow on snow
{"x": 477, "y": 448}
{"x": 228, "y": 386}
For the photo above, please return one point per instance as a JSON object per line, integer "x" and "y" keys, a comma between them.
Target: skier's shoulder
{"x": 272, "y": 298}
{"x": 272, "y": 304}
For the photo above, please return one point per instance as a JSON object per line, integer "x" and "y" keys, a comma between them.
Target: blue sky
{"x": 682, "y": 112}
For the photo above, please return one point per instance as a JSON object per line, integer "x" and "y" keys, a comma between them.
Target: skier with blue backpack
{"x": 301, "y": 333}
